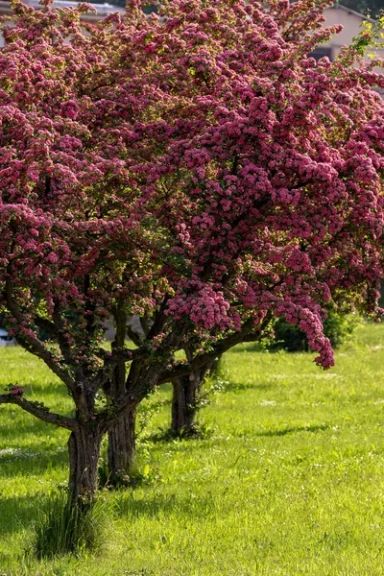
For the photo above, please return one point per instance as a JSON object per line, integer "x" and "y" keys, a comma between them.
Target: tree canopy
{"x": 195, "y": 167}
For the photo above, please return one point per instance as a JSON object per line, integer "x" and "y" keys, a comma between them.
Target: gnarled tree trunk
{"x": 185, "y": 398}
{"x": 84, "y": 452}
{"x": 185, "y": 401}
{"x": 121, "y": 437}
{"x": 184, "y": 405}
{"x": 121, "y": 447}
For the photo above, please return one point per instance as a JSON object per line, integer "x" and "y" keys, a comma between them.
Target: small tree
{"x": 197, "y": 169}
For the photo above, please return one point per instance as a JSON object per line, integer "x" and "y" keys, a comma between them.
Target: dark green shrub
{"x": 337, "y": 327}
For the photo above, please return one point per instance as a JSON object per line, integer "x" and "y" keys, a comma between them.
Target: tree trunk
{"x": 184, "y": 406}
{"x": 121, "y": 447}
{"x": 185, "y": 400}
{"x": 84, "y": 453}
{"x": 185, "y": 403}
{"x": 121, "y": 437}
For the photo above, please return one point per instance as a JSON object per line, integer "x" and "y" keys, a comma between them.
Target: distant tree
{"x": 197, "y": 170}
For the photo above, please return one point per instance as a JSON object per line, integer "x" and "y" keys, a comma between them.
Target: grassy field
{"x": 289, "y": 479}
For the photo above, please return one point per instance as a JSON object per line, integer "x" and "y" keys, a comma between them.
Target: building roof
{"x": 350, "y": 11}
{"x": 105, "y": 9}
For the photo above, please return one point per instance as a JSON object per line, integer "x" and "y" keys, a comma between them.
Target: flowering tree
{"x": 196, "y": 169}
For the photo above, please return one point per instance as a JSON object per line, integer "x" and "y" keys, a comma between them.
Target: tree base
{"x": 68, "y": 529}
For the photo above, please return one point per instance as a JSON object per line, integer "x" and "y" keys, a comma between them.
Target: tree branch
{"x": 39, "y": 411}
{"x": 45, "y": 324}
{"x": 159, "y": 320}
{"x": 246, "y": 333}
{"x": 33, "y": 344}
{"x": 134, "y": 336}
{"x": 143, "y": 376}
{"x": 60, "y": 331}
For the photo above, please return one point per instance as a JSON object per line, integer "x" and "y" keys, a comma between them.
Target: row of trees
{"x": 193, "y": 169}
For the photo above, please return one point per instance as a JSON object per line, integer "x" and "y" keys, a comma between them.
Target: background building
{"x": 351, "y": 22}
{"x": 349, "y": 19}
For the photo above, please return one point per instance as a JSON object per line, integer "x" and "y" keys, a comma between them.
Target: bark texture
{"x": 121, "y": 447}
{"x": 121, "y": 436}
{"x": 184, "y": 405}
{"x": 185, "y": 400}
{"x": 186, "y": 391}
{"x": 84, "y": 453}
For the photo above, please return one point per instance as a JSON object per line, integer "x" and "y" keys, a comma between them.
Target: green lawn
{"x": 289, "y": 479}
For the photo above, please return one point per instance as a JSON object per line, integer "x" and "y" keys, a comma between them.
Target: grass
{"x": 69, "y": 529}
{"x": 290, "y": 481}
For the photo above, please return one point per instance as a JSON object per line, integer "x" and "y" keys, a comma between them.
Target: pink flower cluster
{"x": 16, "y": 391}
{"x": 205, "y": 307}
{"x": 310, "y": 323}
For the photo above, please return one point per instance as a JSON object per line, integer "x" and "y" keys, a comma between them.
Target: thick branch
{"x": 124, "y": 355}
{"x": 247, "y": 333}
{"x": 33, "y": 344}
{"x": 60, "y": 331}
{"x": 108, "y": 418}
{"x": 143, "y": 376}
{"x": 145, "y": 324}
{"x": 45, "y": 324}
{"x": 159, "y": 320}
{"x": 121, "y": 328}
{"x": 134, "y": 336}
{"x": 115, "y": 385}
{"x": 38, "y": 411}
{"x": 113, "y": 359}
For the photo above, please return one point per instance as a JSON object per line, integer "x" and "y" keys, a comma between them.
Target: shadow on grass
{"x": 30, "y": 461}
{"x": 244, "y": 386}
{"x": 292, "y": 430}
{"x": 154, "y": 506}
{"x": 167, "y": 435}
{"x": 17, "y": 512}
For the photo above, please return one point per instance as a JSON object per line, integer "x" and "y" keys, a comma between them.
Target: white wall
{"x": 351, "y": 22}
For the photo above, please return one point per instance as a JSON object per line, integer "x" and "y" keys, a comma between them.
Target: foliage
{"x": 337, "y": 327}
{"x": 341, "y": 327}
{"x": 289, "y": 484}
{"x": 196, "y": 170}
